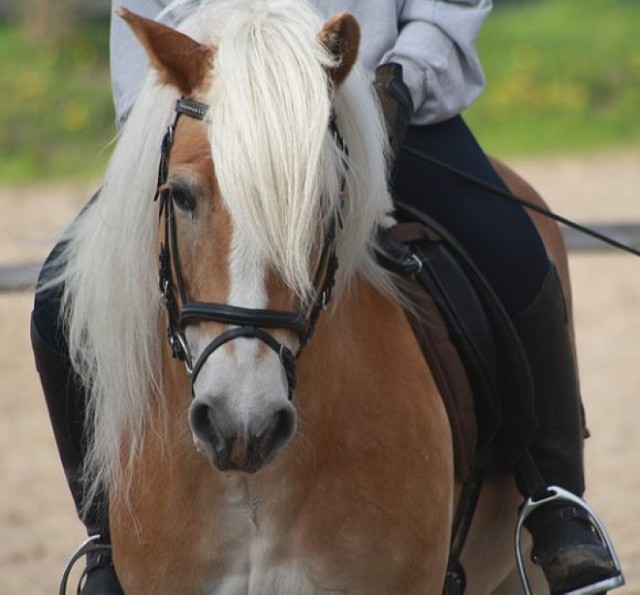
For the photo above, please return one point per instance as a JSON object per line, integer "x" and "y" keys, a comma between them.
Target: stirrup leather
{"x": 559, "y": 494}
{"x": 89, "y": 546}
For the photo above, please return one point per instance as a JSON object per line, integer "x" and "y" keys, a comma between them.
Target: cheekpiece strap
{"x": 169, "y": 249}
{"x": 187, "y": 107}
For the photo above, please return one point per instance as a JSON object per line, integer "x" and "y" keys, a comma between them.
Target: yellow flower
{"x": 76, "y": 116}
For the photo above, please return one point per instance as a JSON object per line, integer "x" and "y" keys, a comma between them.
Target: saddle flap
{"x": 491, "y": 410}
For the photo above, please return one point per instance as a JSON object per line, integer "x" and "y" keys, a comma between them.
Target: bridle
{"x": 245, "y": 322}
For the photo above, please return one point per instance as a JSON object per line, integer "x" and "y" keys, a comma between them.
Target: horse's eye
{"x": 183, "y": 198}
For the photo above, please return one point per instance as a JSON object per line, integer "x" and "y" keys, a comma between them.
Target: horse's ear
{"x": 341, "y": 37}
{"x": 179, "y": 60}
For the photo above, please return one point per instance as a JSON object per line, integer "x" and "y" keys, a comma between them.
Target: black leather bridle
{"x": 246, "y": 322}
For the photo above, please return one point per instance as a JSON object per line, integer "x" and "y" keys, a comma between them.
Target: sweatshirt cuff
{"x": 414, "y": 77}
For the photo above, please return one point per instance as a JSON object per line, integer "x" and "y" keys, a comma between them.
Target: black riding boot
{"x": 565, "y": 544}
{"x": 65, "y": 402}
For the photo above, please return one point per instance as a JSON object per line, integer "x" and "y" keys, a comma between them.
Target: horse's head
{"x": 250, "y": 186}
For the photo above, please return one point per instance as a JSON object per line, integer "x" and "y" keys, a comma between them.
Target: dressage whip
{"x": 516, "y": 199}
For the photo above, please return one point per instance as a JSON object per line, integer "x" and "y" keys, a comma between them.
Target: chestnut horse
{"x": 232, "y": 471}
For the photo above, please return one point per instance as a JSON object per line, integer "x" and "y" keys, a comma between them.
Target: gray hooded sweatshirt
{"x": 433, "y": 40}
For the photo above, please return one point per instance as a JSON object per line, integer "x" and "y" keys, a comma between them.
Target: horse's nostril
{"x": 200, "y": 420}
{"x": 204, "y": 426}
{"x": 276, "y": 432}
{"x": 284, "y": 427}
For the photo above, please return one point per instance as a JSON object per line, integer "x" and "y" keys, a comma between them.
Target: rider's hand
{"x": 396, "y": 102}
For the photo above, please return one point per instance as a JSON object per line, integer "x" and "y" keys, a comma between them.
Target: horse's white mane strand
{"x": 268, "y": 134}
{"x": 279, "y": 172}
{"x": 277, "y": 167}
{"x": 111, "y": 299}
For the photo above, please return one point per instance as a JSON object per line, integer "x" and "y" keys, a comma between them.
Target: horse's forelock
{"x": 270, "y": 106}
{"x": 278, "y": 169}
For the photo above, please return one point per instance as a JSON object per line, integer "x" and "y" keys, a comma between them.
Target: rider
{"x": 427, "y": 72}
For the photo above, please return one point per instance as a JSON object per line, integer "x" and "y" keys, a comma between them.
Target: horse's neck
{"x": 363, "y": 350}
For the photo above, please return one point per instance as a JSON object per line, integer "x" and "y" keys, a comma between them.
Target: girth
{"x": 245, "y": 322}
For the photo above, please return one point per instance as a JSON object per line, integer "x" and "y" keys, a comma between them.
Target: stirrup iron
{"x": 87, "y": 547}
{"x": 557, "y": 493}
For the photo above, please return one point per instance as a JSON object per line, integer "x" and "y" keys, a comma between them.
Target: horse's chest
{"x": 254, "y": 555}
{"x": 253, "y": 570}
{"x": 255, "y": 558}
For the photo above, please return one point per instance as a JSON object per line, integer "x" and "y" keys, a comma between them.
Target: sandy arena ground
{"x": 38, "y": 528}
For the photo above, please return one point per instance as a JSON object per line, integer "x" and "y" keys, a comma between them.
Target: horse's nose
{"x": 245, "y": 446}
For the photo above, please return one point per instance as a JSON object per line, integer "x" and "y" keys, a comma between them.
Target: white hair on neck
{"x": 279, "y": 172}
{"x": 111, "y": 298}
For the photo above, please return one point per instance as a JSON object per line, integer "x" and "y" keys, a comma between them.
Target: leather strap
{"x": 194, "y": 312}
{"x": 287, "y": 358}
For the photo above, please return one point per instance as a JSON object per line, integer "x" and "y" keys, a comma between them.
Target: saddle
{"x": 467, "y": 338}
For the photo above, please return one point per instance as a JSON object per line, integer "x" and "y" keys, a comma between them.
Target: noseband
{"x": 245, "y": 322}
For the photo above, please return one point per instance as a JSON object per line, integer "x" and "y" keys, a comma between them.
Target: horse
{"x": 289, "y": 436}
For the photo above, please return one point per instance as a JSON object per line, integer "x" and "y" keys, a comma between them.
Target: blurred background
{"x": 563, "y": 75}
{"x": 562, "y": 106}
{"x": 56, "y": 114}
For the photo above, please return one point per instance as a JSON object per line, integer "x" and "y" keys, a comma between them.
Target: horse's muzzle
{"x": 245, "y": 446}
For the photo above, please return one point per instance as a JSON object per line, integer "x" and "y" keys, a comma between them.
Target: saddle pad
{"x": 448, "y": 372}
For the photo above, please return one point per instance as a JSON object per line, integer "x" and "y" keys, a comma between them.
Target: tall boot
{"x": 565, "y": 543}
{"x": 66, "y": 404}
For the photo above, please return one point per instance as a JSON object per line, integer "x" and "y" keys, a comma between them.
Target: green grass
{"x": 56, "y": 114}
{"x": 563, "y": 75}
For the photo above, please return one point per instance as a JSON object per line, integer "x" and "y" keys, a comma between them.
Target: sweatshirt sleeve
{"x": 436, "y": 48}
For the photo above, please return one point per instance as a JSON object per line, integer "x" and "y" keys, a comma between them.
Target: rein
{"x": 246, "y": 322}
{"x": 521, "y": 201}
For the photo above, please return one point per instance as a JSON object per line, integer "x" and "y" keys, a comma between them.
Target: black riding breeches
{"x": 498, "y": 234}
{"x": 64, "y": 395}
